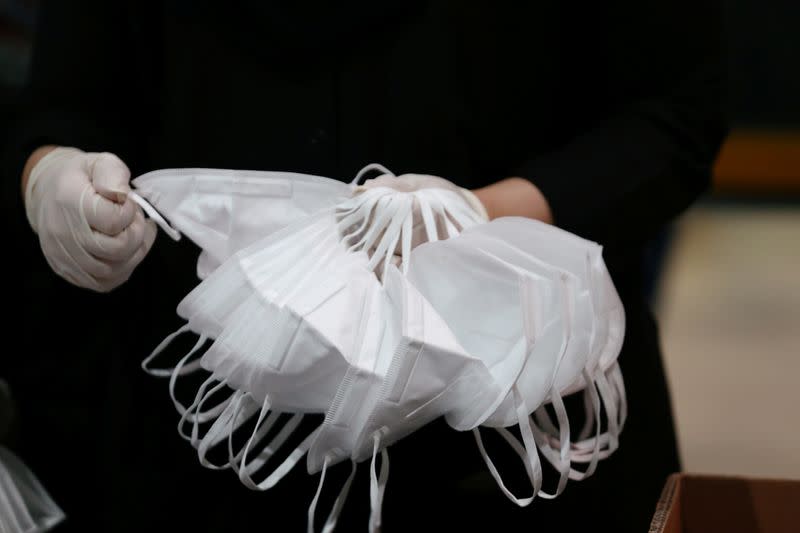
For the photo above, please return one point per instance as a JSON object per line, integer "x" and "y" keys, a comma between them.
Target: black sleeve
{"x": 638, "y": 167}
{"x": 83, "y": 88}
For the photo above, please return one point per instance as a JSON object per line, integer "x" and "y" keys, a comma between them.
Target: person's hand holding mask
{"x": 91, "y": 233}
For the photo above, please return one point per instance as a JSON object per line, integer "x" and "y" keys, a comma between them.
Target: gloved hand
{"x": 414, "y": 182}
{"x": 91, "y": 233}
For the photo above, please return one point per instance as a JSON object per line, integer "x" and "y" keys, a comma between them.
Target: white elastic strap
{"x": 219, "y": 430}
{"x": 578, "y": 450}
{"x": 162, "y": 372}
{"x": 377, "y": 484}
{"x": 589, "y": 414}
{"x": 246, "y": 470}
{"x": 391, "y": 235}
{"x": 179, "y": 370}
{"x": 527, "y": 453}
{"x": 155, "y": 215}
{"x": 330, "y": 523}
{"x": 619, "y": 385}
{"x": 199, "y": 419}
{"x": 613, "y": 397}
{"x": 562, "y": 462}
{"x": 260, "y": 432}
{"x": 364, "y": 203}
{"x": 427, "y": 218}
{"x": 385, "y": 215}
{"x": 450, "y": 229}
{"x": 373, "y": 229}
{"x": 333, "y": 517}
{"x": 224, "y": 427}
{"x": 371, "y": 166}
{"x": 405, "y": 250}
{"x": 455, "y": 206}
{"x": 200, "y": 398}
{"x": 595, "y": 457}
{"x": 609, "y": 401}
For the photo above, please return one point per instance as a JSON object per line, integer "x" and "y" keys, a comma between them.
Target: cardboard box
{"x": 694, "y": 503}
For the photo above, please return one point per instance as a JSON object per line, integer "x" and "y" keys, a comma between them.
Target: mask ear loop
{"x": 531, "y": 320}
{"x": 179, "y": 371}
{"x": 439, "y": 210}
{"x": 527, "y": 453}
{"x": 387, "y": 208}
{"x": 368, "y": 168}
{"x": 393, "y": 233}
{"x": 366, "y": 212}
{"x": 155, "y": 215}
{"x": 202, "y": 396}
{"x": 454, "y": 207}
{"x": 619, "y": 385}
{"x": 246, "y": 470}
{"x": 428, "y": 219}
{"x": 377, "y": 486}
{"x": 330, "y": 523}
{"x": 224, "y": 427}
{"x": 395, "y": 213}
{"x": 405, "y": 250}
{"x": 363, "y": 204}
{"x": 167, "y": 372}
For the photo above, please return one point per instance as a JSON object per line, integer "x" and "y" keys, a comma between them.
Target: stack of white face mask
{"x": 320, "y": 305}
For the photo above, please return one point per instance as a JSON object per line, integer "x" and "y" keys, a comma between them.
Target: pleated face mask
{"x": 584, "y": 259}
{"x": 224, "y": 211}
{"x": 209, "y": 308}
{"x": 417, "y": 373}
{"x": 522, "y": 332}
{"x": 510, "y": 324}
{"x": 573, "y": 305}
{"x": 580, "y": 257}
{"x": 25, "y": 506}
{"x": 346, "y": 311}
{"x": 293, "y": 343}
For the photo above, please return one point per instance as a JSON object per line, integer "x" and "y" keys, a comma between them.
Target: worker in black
{"x": 609, "y": 112}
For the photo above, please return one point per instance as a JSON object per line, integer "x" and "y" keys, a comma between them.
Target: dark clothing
{"x": 612, "y": 108}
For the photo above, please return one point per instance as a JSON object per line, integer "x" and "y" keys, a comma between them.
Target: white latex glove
{"x": 91, "y": 233}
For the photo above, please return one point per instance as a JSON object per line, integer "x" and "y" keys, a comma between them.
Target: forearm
{"x": 514, "y": 197}
{"x": 34, "y": 158}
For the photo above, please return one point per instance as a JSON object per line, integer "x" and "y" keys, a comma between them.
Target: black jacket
{"x": 614, "y": 109}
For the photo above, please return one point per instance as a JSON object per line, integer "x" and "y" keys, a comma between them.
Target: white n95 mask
{"x": 584, "y": 259}
{"x": 295, "y": 349}
{"x": 418, "y": 373}
{"x": 209, "y": 308}
{"x": 571, "y": 308}
{"x": 224, "y": 211}
{"x": 25, "y": 506}
{"x": 521, "y": 333}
